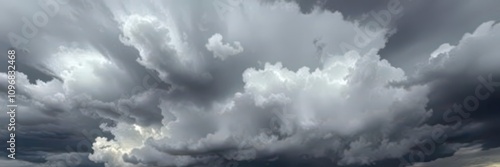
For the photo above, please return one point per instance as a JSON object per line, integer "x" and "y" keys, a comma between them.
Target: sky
{"x": 235, "y": 83}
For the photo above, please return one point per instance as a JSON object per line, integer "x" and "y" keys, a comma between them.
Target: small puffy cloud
{"x": 221, "y": 50}
{"x": 443, "y": 49}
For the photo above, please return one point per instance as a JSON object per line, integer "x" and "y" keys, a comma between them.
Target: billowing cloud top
{"x": 190, "y": 83}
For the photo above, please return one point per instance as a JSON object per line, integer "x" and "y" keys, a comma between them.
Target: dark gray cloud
{"x": 239, "y": 83}
{"x": 428, "y": 24}
{"x": 467, "y": 157}
{"x": 421, "y": 26}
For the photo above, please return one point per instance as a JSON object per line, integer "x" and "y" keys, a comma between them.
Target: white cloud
{"x": 312, "y": 96}
{"x": 443, "y": 49}
{"x": 341, "y": 110}
{"x": 474, "y": 55}
{"x": 162, "y": 48}
{"x": 221, "y": 50}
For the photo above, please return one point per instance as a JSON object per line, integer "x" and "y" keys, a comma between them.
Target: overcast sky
{"x": 235, "y": 83}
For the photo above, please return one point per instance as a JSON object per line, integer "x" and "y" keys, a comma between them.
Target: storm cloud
{"x": 250, "y": 83}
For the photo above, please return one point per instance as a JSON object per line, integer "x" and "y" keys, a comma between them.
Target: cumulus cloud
{"x": 221, "y": 50}
{"x": 278, "y": 108}
{"x": 167, "y": 53}
{"x": 59, "y": 114}
{"x": 328, "y": 112}
{"x": 474, "y": 55}
{"x": 304, "y": 84}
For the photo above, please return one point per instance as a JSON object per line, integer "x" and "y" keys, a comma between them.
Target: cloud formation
{"x": 170, "y": 84}
{"x": 221, "y": 50}
{"x": 467, "y": 157}
{"x": 311, "y": 108}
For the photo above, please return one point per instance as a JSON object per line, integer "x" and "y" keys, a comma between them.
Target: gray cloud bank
{"x": 189, "y": 83}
